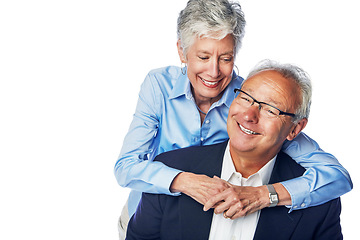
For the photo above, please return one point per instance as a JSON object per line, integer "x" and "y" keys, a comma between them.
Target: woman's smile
{"x": 210, "y": 84}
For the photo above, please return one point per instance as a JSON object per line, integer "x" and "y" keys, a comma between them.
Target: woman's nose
{"x": 214, "y": 69}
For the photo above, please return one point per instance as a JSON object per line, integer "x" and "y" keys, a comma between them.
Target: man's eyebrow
{"x": 268, "y": 100}
{"x": 229, "y": 52}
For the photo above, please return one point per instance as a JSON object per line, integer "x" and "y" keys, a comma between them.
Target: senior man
{"x": 272, "y": 106}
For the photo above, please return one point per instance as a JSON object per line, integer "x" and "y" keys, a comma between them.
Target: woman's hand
{"x": 238, "y": 201}
{"x": 199, "y": 187}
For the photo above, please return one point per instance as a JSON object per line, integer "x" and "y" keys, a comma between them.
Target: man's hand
{"x": 199, "y": 187}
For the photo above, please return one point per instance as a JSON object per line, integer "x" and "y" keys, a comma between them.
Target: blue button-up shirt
{"x": 166, "y": 118}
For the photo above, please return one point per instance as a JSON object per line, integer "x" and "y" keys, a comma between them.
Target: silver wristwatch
{"x": 272, "y": 195}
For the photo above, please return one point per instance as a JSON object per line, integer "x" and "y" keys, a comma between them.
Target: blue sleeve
{"x": 132, "y": 169}
{"x": 324, "y": 179}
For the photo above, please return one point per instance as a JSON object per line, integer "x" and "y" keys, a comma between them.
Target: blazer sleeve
{"x": 330, "y": 229}
{"x": 146, "y": 222}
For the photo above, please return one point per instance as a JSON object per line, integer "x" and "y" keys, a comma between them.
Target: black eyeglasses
{"x": 246, "y": 100}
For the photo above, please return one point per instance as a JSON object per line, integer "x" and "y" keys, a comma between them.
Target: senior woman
{"x": 181, "y": 107}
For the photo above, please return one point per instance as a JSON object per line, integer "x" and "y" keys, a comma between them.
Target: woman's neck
{"x": 203, "y": 104}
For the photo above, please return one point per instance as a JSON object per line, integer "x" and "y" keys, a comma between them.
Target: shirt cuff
{"x": 164, "y": 180}
{"x": 299, "y": 192}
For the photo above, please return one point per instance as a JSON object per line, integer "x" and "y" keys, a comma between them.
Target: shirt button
{"x": 207, "y": 121}
{"x": 295, "y": 207}
{"x": 202, "y": 139}
{"x": 303, "y": 205}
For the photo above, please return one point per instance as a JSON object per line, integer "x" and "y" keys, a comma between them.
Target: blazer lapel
{"x": 195, "y": 223}
{"x": 271, "y": 221}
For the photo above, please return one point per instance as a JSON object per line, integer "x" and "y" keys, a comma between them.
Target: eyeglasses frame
{"x": 258, "y": 102}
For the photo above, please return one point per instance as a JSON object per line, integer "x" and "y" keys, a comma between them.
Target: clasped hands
{"x": 231, "y": 200}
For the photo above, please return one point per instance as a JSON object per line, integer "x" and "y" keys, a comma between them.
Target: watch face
{"x": 273, "y": 198}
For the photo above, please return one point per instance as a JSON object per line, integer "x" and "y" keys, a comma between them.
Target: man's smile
{"x": 247, "y": 131}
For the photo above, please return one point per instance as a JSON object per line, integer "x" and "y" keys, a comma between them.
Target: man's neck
{"x": 249, "y": 163}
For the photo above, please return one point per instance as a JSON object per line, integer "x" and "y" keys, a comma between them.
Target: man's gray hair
{"x": 212, "y": 19}
{"x": 297, "y": 74}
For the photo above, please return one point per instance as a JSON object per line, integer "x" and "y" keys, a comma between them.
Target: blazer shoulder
{"x": 185, "y": 158}
{"x": 286, "y": 168}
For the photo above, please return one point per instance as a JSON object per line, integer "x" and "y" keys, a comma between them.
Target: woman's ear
{"x": 298, "y": 127}
{"x": 181, "y": 52}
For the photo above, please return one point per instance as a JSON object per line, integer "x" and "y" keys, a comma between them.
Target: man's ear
{"x": 181, "y": 52}
{"x": 298, "y": 127}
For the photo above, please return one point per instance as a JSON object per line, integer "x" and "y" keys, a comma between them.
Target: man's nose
{"x": 252, "y": 113}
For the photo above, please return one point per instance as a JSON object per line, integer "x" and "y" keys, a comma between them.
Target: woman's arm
{"x": 324, "y": 179}
{"x": 133, "y": 169}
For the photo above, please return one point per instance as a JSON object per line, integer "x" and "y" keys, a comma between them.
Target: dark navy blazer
{"x": 160, "y": 216}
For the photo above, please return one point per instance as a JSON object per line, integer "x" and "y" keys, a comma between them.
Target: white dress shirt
{"x": 241, "y": 228}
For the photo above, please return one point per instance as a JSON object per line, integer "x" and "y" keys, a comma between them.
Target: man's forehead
{"x": 267, "y": 74}
{"x": 269, "y": 78}
{"x": 273, "y": 82}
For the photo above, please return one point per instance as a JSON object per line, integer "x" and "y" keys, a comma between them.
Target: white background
{"x": 70, "y": 73}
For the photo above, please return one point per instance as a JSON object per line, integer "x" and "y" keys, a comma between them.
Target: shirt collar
{"x": 228, "y": 168}
{"x": 181, "y": 87}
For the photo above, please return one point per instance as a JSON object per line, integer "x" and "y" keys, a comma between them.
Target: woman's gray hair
{"x": 297, "y": 74}
{"x": 212, "y": 19}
